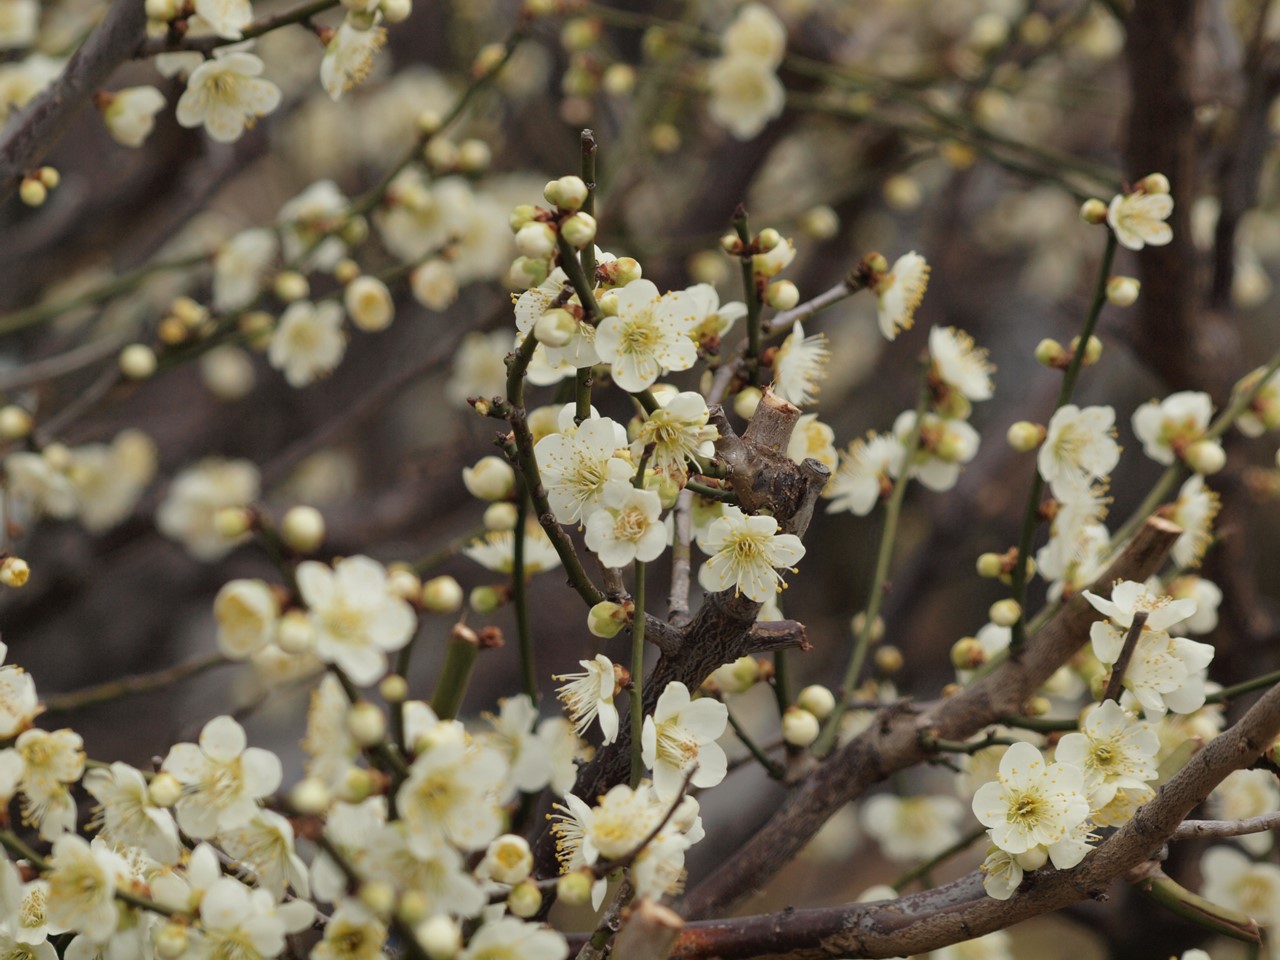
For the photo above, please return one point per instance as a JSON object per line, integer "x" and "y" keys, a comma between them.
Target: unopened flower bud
{"x": 1024, "y": 436}
{"x": 1154, "y": 183}
{"x": 295, "y": 633}
{"x": 357, "y": 785}
{"x": 486, "y": 599}
{"x": 575, "y": 888}
{"x": 366, "y": 723}
{"x": 439, "y": 937}
{"x": 536, "y": 239}
{"x": 619, "y": 79}
{"x": 1050, "y": 353}
{"x": 1123, "y": 291}
{"x": 1033, "y": 859}
{"x": 379, "y": 896}
{"x": 15, "y": 423}
{"x": 289, "y": 285}
{"x": 606, "y": 619}
{"x": 579, "y": 230}
{"x": 1092, "y": 350}
{"x": 369, "y": 303}
{"x": 858, "y": 624}
{"x": 442, "y": 595}
{"x": 990, "y": 565}
{"x": 393, "y": 688}
{"x": 731, "y": 243}
{"x": 1093, "y": 211}
{"x": 782, "y": 295}
{"x": 32, "y": 192}
{"x": 490, "y": 479}
{"x": 302, "y": 529}
{"x": 524, "y": 900}
{"x": 888, "y": 659}
{"x": 967, "y": 653}
{"x": 501, "y": 516}
{"x": 164, "y": 789}
{"x": 820, "y": 222}
{"x": 767, "y": 239}
{"x": 161, "y": 9}
{"x": 414, "y": 907}
{"x": 524, "y": 214}
{"x": 137, "y": 361}
{"x": 737, "y": 677}
{"x": 474, "y": 156}
{"x": 1205, "y": 457}
{"x": 556, "y": 327}
{"x": 625, "y": 270}
{"x": 310, "y": 796}
{"x": 567, "y": 193}
{"x": 1004, "y": 613}
{"x": 14, "y": 572}
{"x": 664, "y": 137}
{"x": 403, "y": 582}
{"x": 528, "y": 272}
{"x": 346, "y": 270}
{"x": 745, "y": 403}
{"x": 800, "y": 727}
{"x": 902, "y": 193}
{"x": 232, "y": 523}
{"x": 818, "y": 700}
{"x": 1037, "y": 706}
{"x": 171, "y": 941}
{"x": 396, "y": 11}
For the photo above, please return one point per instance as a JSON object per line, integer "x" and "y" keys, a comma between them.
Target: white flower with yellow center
{"x": 1001, "y": 874}
{"x": 513, "y": 736}
{"x": 994, "y": 946}
{"x": 1079, "y": 447}
{"x": 350, "y": 828}
{"x": 649, "y": 335}
{"x": 1245, "y": 794}
{"x": 82, "y": 887}
{"x": 865, "y": 476}
{"x": 675, "y": 434}
{"x": 756, "y": 32}
{"x": 1236, "y": 882}
{"x": 627, "y": 526}
{"x": 798, "y": 366}
{"x": 431, "y": 866}
{"x": 52, "y": 760}
{"x": 308, "y": 342}
{"x": 349, "y": 58}
{"x": 813, "y": 440}
{"x": 308, "y": 223}
{"x": 194, "y": 499}
{"x": 745, "y": 94}
{"x": 330, "y": 750}
{"x": 1032, "y": 804}
{"x": 19, "y": 703}
{"x": 510, "y": 939}
{"x": 244, "y": 923}
{"x": 576, "y": 468}
{"x": 960, "y": 364}
{"x": 580, "y": 349}
{"x": 265, "y": 845}
{"x": 226, "y": 95}
{"x": 246, "y": 612}
{"x": 241, "y": 266}
{"x": 129, "y": 816}
{"x": 912, "y": 828}
{"x": 1138, "y": 219}
{"x": 614, "y": 828}
{"x": 352, "y": 933}
{"x": 590, "y": 694}
{"x": 455, "y": 792}
{"x": 745, "y": 552}
{"x": 223, "y": 779}
{"x": 681, "y": 734}
{"x": 30, "y": 925}
{"x": 228, "y": 18}
{"x": 357, "y": 618}
{"x": 1168, "y": 427}
{"x": 899, "y": 293}
{"x": 109, "y": 478}
{"x": 1207, "y": 596}
{"x": 1263, "y": 412}
{"x": 130, "y": 114}
{"x": 1114, "y": 750}
{"x": 1194, "y": 511}
{"x": 945, "y": 444}
{"x": 564, "y": 748}
{"x": 712, "y": 320}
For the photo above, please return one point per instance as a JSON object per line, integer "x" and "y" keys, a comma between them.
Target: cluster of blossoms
{"x": 745, "y": 93}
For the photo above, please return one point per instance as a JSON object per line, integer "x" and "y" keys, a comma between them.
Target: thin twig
{"x": 1115, "y": 683}
{"x": 129, "y": 686}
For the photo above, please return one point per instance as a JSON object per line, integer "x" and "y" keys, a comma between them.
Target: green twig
{"x": 451, "y": 688}
{"x": 128, "y": 686}
{"x": 751, "y": 293}
{"x": 520, "y": 596}
{"x": 637, "y": 675}
{"x": 923, "y": 869}
{"x": 775, "y": 770}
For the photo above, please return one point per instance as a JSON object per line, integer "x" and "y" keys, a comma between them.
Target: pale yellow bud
{"x": 346, "y": 270}
{"x": 161, "y": 9}
{"x": 1092, "y": 350}
{"x": 606, "y": 619}
{"x": 164, "y": 789}
{"x": 1038, "y": 706}
{"x": 782, "y": 295}
{"x": 474, "y": 156}
{"x": 567, "y": 193}
{"x": 49, "y": 176}
{"x": 818, "y": 700}
{"x": 1093, "y": 211}
{"x": 14, "y": 572}
{"x": 357, "y": 785}
{"x": 1205, "y": 457}
{"x": 442, "y": 595}
{"x": 295, "y": 632}
{"x": 492, "y": 478}
{"x": 575, "y": 888}
{"x": 903, "y": 193}
{"x": 820, "y": 222}
{"x": 233, "y": 522}
{"x": 525, "y": 900}
{"x": 1050, "y": 353}
{"x": 290, "y": 285}
{"x": 172, "y": 940}
{"x": 619, "y": 79}
{"x": 664, "y": 138}
{"x": 396, "y": 11}
{"x": 990, "y": 565}
{"x": 556, "y": 327}
{"x": 32, "y": 192}
{"x": 366, "y": 723}
{"x": 1024, "y": 436}
{"x": 137, "y": 361}
{"x": 439, "y": 937}
{"x": 967, "y": 653}
{"x": 486, "y": 599}
{"x": 858, "y": 624}
{"x": 767, "y": 239}
{"x": 745, "y": 403}
{"x": 310, "y": 796}
{"x": 414, "y": 907}
{"x": 888, "y": 659}
{"x": 501, "y": 516}
{"x": 429, "y": 122}
{"x": 1004, "y": 613}
{"x": 394, "y": 688}
{"x": 579, "y": 229}
{"x": 441, "y": 154}
{"x": 369, "y": 303}
{"x": 402, "y": 582}
{"x": 1123, "y": 291}
{"x": 379, "y": 896}
{"x": 1154, "y": 183}
{"x": 536, "y": 239}
{"x": 302, "y": 529}
{"x": 15, "y": 423}
{"x": 487, "y": 59}
{"x": 800, "y": 727}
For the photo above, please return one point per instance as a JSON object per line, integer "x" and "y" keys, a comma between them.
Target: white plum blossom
{"x": 246, "y": 612}
{"x": 676, "y": 433}
{"x": 349, "y": 58}
{"x": 627, "y": 526}
{"x": 590, "y": 694}
{"x": 352, "y": 933}
{"x": 52, "y": 761}
{"x": 745, "y": 552}
{"x": 227, "y": 18}
{"x": 82, "y": 887}
{"x": 899, "y": 292}
{"x": 1245, "y": 794}
{"x": 712, "y": 318}
{"x": 223, "y": 779}
{"x": 912, "y": 828}
{"x": 109, "y": 479}
{"x": 798, "y": 366}
{"x": 307, "y": 224}
{"x": 308, "y": 342}
{"x": 1033, "y": 804}
{"x": 945, "y": 445}
{"x": 129, "y": 815}
{"x": 427, "y": 864}
{"x": 576, "y": 468}
{"x": 454, "y": 792}
{"x": 246, "y": 923}
{"x": 756, "y": 32}
{"x": 1207, "y": 596}
{"x": 1238, "y": 883}
{"x": 1168, "y": 427}
{"x": 496, "y": 550}
{"x": 813, "y": 440}
{"x": 1114, "y": 750}
{"x": 614, "y": 828}
{"x": 1128, "y": 597}
{"x": 330, "y": 749}
{"x": 1194, "y": 511}
{"x": 241, "y": 266}
{"x": 680, "y": 734}
{"x": 514, "y": 737}
{"x": 265, "y": 845}
{"x": 745, "y": 94}
{"x": 960, "y": 364}
{"x": 130, "y": 114}
{"x": 865, "y": 475}
{"x": 1079, "y": 447}
{"x": 194, "y": 499}
{"x": 649, "y": 335}
{"x": 225, "y": 95}
{"x": 1138, "y": 219}
{"x": 357, "y": 618}
{"x": 19, "y": 704}
{"x": 508, "y": 938}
